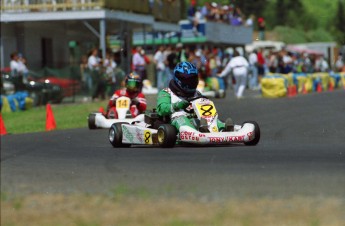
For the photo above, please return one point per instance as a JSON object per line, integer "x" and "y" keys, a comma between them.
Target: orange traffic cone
{"x": 50, "y": 121}
{"x": 319, "y": 88}
{"x": 2, "y": 127}
{"x": 292, "y": 91}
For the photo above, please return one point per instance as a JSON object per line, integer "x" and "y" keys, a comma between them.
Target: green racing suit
{"x": 166, "y": 106}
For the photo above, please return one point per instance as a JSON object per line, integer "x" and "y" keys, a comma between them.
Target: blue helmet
{"x": 186, "y": 77}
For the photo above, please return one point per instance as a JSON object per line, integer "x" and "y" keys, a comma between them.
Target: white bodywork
{"x": 139, "y": 133}
{"x": 122, "y": 108}
{"x": 103, "y": 122}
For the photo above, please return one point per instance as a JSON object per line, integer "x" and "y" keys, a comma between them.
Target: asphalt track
{"x": 301, "y": 153}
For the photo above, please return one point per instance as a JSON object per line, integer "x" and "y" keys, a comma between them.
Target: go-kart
{"x": 98, "y": 120}
{"x": 156, "y": 130}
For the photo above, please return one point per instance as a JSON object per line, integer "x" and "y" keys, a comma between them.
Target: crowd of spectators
{"x": 216, "y": 12}
{"x": 212, "y": 61}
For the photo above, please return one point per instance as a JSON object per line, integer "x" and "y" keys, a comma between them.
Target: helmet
{"x": 186, "y": 77}
{"x": 133, "y": 83}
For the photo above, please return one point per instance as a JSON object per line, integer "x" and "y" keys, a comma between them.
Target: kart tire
{"x": 92, "y": 121}
{"x": 256, "y": 139}
{"x": 115, "y": 135}
{"x": 167, "y": 136}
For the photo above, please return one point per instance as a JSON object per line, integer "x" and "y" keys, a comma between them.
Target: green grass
{"x": 66, "y": 116}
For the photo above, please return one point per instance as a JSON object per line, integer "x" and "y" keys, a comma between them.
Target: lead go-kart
{"x": 98, "y": 120}
{"x": 156, "y": 130}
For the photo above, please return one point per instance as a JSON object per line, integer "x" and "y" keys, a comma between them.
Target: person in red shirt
{"x": 132, "y": 89}
{"x": 261, "y": 64}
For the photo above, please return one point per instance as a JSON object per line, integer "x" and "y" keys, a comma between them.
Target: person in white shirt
{"x": 93, "y": 61}
{"x": 253, "y": 68}
{"x": 159, "y": 60}
{"x": 139, "y": 63}
{"x": 18, "y": 72}
{"x": 14, "y": 63}
{"x": 109, "y": 65}
{"x": 239, "y": 67}
{"x": 94, "y": 64}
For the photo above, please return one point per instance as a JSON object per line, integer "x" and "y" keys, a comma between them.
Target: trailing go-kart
{"x": 98, "y": 120}
{"x": 156, "y": 130}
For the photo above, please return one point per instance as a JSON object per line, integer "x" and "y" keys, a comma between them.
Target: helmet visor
{"x": 188, "y": 82}
{"x": 133, "y": 85}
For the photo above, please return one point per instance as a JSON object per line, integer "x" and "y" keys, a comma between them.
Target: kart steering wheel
{"x": 195, "y": 98}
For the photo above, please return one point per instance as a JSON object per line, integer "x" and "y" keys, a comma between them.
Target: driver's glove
{"x": 180, "y": 105}
{"x": 135, "y": 102}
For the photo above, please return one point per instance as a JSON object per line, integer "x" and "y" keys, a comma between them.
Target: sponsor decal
{"x": 226, "y": 139}
{"x": 127, "y": 134}
{"x": 139, "y": 135}
{"x": 188, "y": 136}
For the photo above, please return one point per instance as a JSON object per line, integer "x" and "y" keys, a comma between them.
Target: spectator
{"x": 94, "y": 65}
{"x": 14, "y": 64}
{"x": 158, "y": 60}
{"x": 17, "y": 76}
{"x": 250, "y": 21}
{"x": 22, "y": 67}
{"x": 261, "y": 64}
{"x": 205, "y": 10}
{"x": 253, "y": 69}
{"x": 339, "y": 64}
{"x": 85, "y": 75}
{"x": 182, "y": 54}
{"x": 139, "y": 63}
{"x": 321, "y": 64}
{"x": 272, "y": 63}
{"x": 307, "y": 65}
{"x": 261, "y": 28}
{"x": 239, "y": 67}
{"x": 109, "y": 67}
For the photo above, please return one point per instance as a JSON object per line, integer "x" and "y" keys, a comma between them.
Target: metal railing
{"x": 162, "y": 10}
{"x": 17, "y": 6}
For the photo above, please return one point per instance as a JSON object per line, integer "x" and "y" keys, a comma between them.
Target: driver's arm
{"x": 163, "y": 103}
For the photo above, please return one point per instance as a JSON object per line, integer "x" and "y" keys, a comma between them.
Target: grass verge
{"x": 99, "y": 210}
{"x": 66, "y": 116}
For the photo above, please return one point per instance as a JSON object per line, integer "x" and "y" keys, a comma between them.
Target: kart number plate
{"x": 123, "y": 103}
{"x": 206, "y": 110}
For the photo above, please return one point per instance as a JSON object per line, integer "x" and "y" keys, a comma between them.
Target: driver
{"x": 133, "y": 85}
{"x": 172, "y": 101}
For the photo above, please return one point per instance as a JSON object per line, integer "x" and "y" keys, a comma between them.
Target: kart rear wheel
{"x": 256, "y": 139}
{"x": 167, "y": 136}
{"x": 115, "y": 135}
{"x": 92, "y": 121}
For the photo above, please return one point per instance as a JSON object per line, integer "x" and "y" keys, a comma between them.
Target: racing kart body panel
{"x": 140, "y": 134}
{"x": 98, "y": 120}
{"x": 154, "y": 130}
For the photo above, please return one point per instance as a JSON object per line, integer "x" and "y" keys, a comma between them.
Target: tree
{"x": 340, "y": 23}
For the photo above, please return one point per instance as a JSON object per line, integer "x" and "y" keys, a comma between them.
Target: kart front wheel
{"x": 256, "y": 139}
{"x": 115, "y": 135}
{"x": 92, "y": 121}
{"x": 167, "y": 136}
